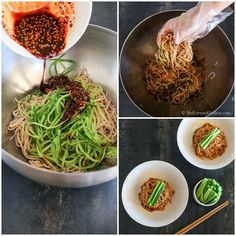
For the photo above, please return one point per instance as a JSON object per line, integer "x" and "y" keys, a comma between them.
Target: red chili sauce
{"x": 40, "y": 32}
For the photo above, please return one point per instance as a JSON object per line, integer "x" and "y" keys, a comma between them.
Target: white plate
{"x": 184, "y": 139}
{"x": 83, "y": 12}
{"x": 142, "y": 173}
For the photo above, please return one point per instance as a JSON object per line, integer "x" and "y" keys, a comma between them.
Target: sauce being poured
{"x": 41, "y": 33}
{"x": 44, "y": 68}
{"x": 40, "y": 27}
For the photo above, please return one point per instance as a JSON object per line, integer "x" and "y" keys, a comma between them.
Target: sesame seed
{"x": 41, "y": 33}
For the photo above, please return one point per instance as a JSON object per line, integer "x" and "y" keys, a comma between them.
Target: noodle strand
{"x": 174, "y": 74}
{"x": 80, "y": 144}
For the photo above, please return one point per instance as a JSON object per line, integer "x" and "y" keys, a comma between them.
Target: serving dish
{"x": 141, "y": 43}
{"x": 83, "y": 11}
{"x": 184, "y": 139}
{"x": 131, "y": 189}
{"x": 96, "y": 51}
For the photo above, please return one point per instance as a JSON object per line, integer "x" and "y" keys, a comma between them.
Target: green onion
{"x": 209, "y": 138}
{"x": 156, "y": 193}
{"x": 208, "y": 191}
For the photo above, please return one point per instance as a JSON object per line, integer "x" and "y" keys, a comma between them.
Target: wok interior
{"x": 96, "y": 52}
{"x": 141, "y": 43}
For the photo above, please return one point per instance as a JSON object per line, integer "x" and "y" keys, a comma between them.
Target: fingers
{"x": 162, "y": 30}
{"x": 159, "y": 37}
{"x": 169, "y": 25}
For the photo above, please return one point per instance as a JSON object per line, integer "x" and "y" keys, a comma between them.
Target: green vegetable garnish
{"x": 208, "y": 191}
{"x": 60, "y": 63}
{"x": 209, "y": 138}
{"x": 156, "y": 193}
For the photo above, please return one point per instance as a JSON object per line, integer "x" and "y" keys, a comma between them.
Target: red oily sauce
{"x": 40, "y": 27}
{"x": 40, "y": 32}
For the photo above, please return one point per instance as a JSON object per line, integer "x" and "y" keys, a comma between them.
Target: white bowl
{"x": 142, "y": 173}
{"x": 184, "y": 139}
{"x": 83, "y": 11}
{"x": 196, "y": 199}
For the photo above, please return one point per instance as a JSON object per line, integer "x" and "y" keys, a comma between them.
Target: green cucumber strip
{"x": 213, "y": 198}
{"x": 153, "y": 192}
{"x": 157, "y": 194}
{"x": 200, "y": 188}
{"x": 204, "y": 144}
{"x": 211, "y": 195}
{"x": 207, "y": 194}
{"x": 208, "y": 191}
{"x": 204, "y": 140}
{"x": 208, "y": 135}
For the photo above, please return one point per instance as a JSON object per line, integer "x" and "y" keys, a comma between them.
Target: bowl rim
{"x": 181, "y": 149}
{"x": 125, "y": 183}
{"x": 47, "y": 171}
{"x": 101, "y": 28}
{"x": 121, "y": 53}
{"x": 27, "y": 165}
{"x": 196, "y": 199}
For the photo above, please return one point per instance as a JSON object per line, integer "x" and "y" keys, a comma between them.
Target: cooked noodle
{"x": 215, "y": 149}
{"x": 78, "y": 145}
{"x": 174, "y": 74}
{"x": 164, "y": 198}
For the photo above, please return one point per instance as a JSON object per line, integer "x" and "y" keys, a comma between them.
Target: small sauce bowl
{"x": 196, "y": 199}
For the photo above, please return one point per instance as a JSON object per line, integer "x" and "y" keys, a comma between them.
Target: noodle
{"x": 164, "y": 198}
{"x": 79, "y": 144}
{"x": 174, "y": 74}
{"x": 215, "y": 149}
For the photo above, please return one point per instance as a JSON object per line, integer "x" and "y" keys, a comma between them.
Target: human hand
{"x": 196, "y": 22}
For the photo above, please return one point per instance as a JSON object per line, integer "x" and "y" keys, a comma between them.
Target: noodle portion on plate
{"x": 215, "y": 148}
{"x": 164, "y": 198}
{"x": 78, "y": 143}
{"x": 174, "y": 74}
